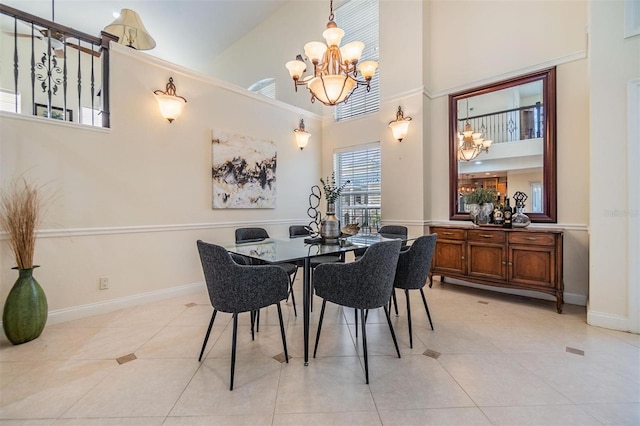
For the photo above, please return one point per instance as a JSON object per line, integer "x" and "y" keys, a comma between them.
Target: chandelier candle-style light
{"x": 335, "y": 68}
{"x": 470, "y": 143}
{"x": 400, "y": 125}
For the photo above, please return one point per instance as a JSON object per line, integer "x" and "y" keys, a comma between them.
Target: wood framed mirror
{"x": 518, "y": 117}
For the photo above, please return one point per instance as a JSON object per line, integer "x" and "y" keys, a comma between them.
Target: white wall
{"x": 429, "y": 49}
{"x": 130, "y": 202}
{"x": 440, "y": 45}
{"x": 523, "y": 36}
{"x": 613, "y": 62}
{"x": 264, "y": 51}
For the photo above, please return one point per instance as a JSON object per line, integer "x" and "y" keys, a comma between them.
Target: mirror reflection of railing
{"x": 56, "y": 72}
{"x": 509, "y": 125}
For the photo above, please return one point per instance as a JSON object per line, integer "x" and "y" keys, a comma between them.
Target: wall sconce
{"x": 170, "y": 104}
{"x": 400, "y": 125}
{"x": 302, "y": 137}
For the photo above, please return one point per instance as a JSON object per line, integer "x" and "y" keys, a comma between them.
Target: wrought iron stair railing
{"x": 509, "y": 125}
{"x": 60, "y": 69}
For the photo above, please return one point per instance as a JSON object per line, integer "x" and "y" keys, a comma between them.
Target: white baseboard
{"x": 613, "y": 322}
{"x": 100, "y": 308}
{"x": 570, "y": 298}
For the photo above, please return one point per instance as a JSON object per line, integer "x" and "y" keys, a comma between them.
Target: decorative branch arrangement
{"x": 21, "y": 207}
{"x": 331, "y": 191}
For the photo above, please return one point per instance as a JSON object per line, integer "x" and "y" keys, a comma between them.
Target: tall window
{"x": 360, "y": 201}
{"x": 359, "y": 20}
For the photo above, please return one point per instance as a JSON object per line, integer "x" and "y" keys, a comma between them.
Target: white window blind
{"x": 360, "y": 201}
{"x": 91, "y": 117}
{"x": 266, "y": 87}
{"x": 359, "y": 20}
{"x": 10, "y": 101}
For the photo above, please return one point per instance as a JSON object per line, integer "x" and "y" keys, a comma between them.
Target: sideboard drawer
{"x": 486, "y": 236}
{"x": 449, "y": 233}
{"x": 535, "y": 238}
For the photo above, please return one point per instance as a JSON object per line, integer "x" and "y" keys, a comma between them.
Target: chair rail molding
{"x": 115, "y": 230}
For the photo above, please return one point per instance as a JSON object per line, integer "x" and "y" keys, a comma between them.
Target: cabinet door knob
{"x": 462, "y": 257}
{"x": 504, "y": 263}
{"x": 510, "y": 263}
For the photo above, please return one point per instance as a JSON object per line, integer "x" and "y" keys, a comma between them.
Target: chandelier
{"x": 335, "y": 69}
{"x": 470, "y": 143}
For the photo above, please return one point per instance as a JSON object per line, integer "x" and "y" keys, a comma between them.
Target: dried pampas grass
{"x": 21, "y": 208}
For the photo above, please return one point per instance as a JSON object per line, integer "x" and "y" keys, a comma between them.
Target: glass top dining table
{"x": 290, "y": 250}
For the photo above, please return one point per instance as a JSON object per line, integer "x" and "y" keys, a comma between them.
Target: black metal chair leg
{"x": 253, "y": 321}
{"x": 233, "y": 348}
{"x": 258, "y": 321}
{"x": 395, "y": 301}
{"x": 426, "y": 308}
{"x": 364, "y": 345}
{"x": 293, "y": 298}
{"x": 355, "y": 312}
{"x": 393, "y": 334}
{"x": 311, "y": 293}
{"x": 315, "y": 348}
{"x": 206, "y": 336}
{"x": 406, "y": 292}
{"x": 284, "y": 339}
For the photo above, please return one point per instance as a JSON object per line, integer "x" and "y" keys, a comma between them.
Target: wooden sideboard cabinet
{"x": 518, "y": 258}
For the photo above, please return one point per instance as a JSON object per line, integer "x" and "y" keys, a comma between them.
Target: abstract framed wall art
{"x": 243, "y": 171}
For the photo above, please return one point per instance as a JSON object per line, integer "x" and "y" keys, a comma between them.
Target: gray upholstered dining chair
{"x": 412, "y": 272}
{"x": 244, "y": 235}
{"x": 388, "y": 230}
{"x": 235, "y": 288}
{"x": 364, "y": 284}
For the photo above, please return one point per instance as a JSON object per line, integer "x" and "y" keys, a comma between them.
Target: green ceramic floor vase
{"x": 25, "y": 310}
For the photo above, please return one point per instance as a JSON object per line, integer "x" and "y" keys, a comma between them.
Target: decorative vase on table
{"x": 484, "y": 214}
{"x": 519, "y": 219}
{"x": 25, "y": 310}
{"x": 473, "y": 210}
{"x": 330, "y": 227}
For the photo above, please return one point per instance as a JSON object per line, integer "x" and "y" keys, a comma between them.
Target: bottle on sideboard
{"x": 507, "y": 213}
{"x": 498, "y": 216}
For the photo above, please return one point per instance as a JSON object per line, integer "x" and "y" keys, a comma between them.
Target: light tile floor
{"x": 492, "y": 359}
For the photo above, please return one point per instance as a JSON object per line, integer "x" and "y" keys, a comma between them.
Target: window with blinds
{"x": 360, "y": 201}
{"x": 359, "y": 20}
{"x": 10, "y": 101}
{"x": 266, "y": 87}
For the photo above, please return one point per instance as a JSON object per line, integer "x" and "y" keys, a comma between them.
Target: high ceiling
{"x": 187, "y": 32}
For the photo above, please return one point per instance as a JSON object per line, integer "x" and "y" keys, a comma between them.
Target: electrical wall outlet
{"x": 104, "y": 283}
